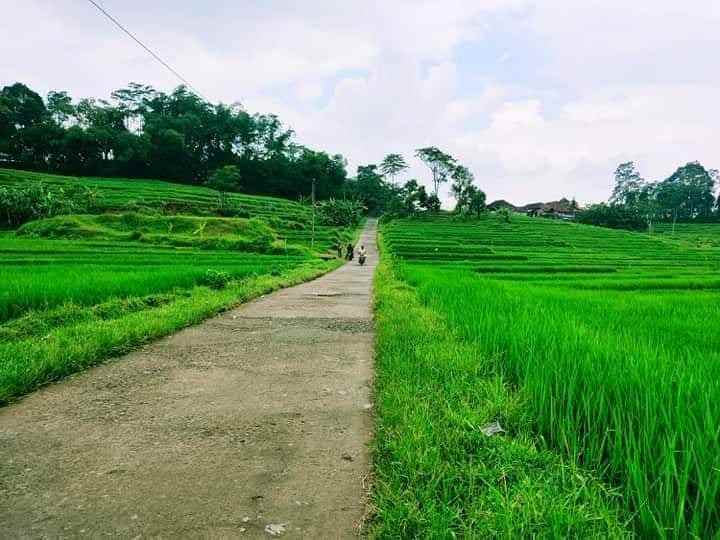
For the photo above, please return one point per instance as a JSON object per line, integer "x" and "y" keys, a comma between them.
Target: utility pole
{"x": 312, "y": 239}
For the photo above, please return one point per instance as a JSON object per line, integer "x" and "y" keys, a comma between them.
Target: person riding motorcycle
{"x": 362, "y": 255}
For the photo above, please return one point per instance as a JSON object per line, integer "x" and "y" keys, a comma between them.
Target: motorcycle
{"x": 361, "y": 260}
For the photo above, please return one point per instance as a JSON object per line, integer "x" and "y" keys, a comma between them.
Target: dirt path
{"x": 250, "y": 423}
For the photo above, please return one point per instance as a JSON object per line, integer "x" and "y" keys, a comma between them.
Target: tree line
{"x": 378, "y": 186}
{"x": 141, "y": 132}
{"x": 636, "y": 203}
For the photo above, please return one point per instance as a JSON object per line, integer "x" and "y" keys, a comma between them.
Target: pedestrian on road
{"x": 350, "y": 253}
{"x": 339, "y": 250}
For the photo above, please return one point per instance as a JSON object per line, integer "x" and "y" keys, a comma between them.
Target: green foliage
{"x": 177, "y": 136}
{"x": 505, "y": 214}
{"x": 118, "y": 194}
{"x": 376, "y": 194}
{"x": 441, "y": 165}
{"x": 86, "y": 313}
{"x": 414, "y": 198}
{"x": 339, "y": 212}
{"x": 189, "y": 231}
{"x": 433, "y": 203}
{"x": 628, "y": 185}
{"x": 476, "y": 201}
{"x": 469, "y": 198}
{"x": 436, "y": 474}
{"x": 608, "y": 336}
{"x": 22, "y": 203}
{"x": 225, "y": 179}
{"x": 615, "y": 216}
{"x": 215, "y": 279}
{"x": 392, "y": 165}
{"x": 686, "y": 195}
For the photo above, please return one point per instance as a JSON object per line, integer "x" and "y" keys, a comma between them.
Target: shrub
{"x": 339, "y": 212}
{"x": 225, "y": 179}
{"x": 433, "y": 204}
{"x": 226, "y": 207}
{"x": 505, "y": 215}
{"x": 614, "y": 216}
{"x": 22, "y": 203}
{"x": 215, "y": 279}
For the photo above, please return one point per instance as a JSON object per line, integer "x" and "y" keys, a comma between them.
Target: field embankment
{"x": 152, "y": 258}
{"x": 615, "y": 372}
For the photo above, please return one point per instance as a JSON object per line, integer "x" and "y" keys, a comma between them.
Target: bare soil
{"x": 252, "y": 424}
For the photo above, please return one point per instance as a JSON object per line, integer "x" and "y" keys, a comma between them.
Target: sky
{"x": 539, "y": 98}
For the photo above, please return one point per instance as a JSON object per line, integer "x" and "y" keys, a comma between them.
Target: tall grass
{"x": 42, "y": 274}
{"x": 627, "y": 386}
{"x": 621, "y": 375}
{"x": 437, "y": 474}
{"x": 78, "y": 342}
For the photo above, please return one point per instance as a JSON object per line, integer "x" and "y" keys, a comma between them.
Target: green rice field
{"x": 290, "y": 220}
{"x": 117, "y": 193}
{"x": 597, "y": 349}
{"x": 77, "y": 289}
{"x": 696, "y": 234}
{"x": 42, "y": 274}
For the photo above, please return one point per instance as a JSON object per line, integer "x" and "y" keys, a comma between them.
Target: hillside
{"x": 290, "y": 220}
{"x": 151, "y": 258}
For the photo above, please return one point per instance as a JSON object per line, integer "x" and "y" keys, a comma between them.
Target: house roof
{"x": 502, "y": 203}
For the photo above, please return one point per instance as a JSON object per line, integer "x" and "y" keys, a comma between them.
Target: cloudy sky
{"x": 540, "y": 98}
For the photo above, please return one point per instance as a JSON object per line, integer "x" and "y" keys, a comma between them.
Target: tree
{"x": 695, "y": 185}
{"x": 141, "y": 132}
{"x": 225, "y": 179}
{"x": 413, "y": 197}
{"x": 687, "y": 194}
{"x": 628, "y": 184}
{"x": 133, "y": 103}
{"x": 477, "y": 199}
{"x": 440, "y": 164}
{"x": 60, "y": 106}
{"x": 392, "y": 165}
{"x": 615, "y": 216}
{"x": 370, "y": 187}
{"x": 22, "y": 111}
{"x": 462, "y": 188}
{"x": 24, "y": 108}
{"x": 432, "y": 204}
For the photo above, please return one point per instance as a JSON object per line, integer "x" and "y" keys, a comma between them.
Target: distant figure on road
{"x": 350, "y": 253}
{"x": 362, "y": 255}
{"x": 339, "y": 250}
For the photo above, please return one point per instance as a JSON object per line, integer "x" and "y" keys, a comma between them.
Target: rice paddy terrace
{"x": 76, "y": 289}
{"x": 607, "y": 338}
{"x": 290, "y": 219}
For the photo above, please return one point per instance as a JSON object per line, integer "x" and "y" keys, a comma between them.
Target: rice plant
{"x": 610, "y": 337}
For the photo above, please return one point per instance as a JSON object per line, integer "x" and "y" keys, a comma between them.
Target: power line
{"x": 150, "y": 51}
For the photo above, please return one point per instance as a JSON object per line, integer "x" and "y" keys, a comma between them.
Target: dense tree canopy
{"x": 686, "y": 195}
{"x": 141, "y": 132}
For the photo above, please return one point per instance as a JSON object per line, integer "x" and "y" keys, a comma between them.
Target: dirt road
{"x": 252, "y": 424}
